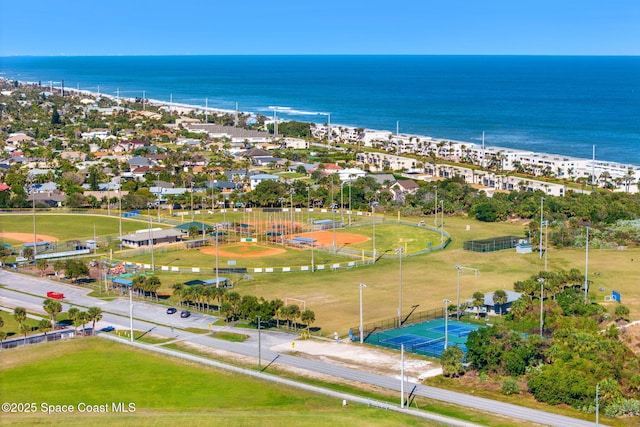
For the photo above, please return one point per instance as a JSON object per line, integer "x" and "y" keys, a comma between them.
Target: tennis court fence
{"x": 394, "y": 322}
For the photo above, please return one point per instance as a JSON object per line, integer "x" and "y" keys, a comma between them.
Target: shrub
{"x": 510, "y": 386}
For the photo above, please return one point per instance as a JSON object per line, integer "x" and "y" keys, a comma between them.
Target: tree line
{"x": 575, "y": 354}
{"x": 232, "y": 306}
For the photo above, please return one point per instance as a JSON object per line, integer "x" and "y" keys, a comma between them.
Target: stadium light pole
{"x": 150, "y": 239}
{"x": 400, "y": 251}
{"x": 442, "y": 223}
{"x": 217, "y": 278}
{"x": 541, "y": 280}
{"x": 586, "y": 268}
{"x": 541, "y": 221}
{"x": 361, "y": 285}
{"x": 192, "y": 201}
{"x": 313, "y": 267}
{"x": 373, "y": 234}
{"x": 158, "y": 194}
{"x": 120, "y": 214}
{"x": 446, "y": 322}
{"x": 35, "y": 234}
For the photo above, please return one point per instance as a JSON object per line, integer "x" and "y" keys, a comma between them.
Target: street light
{"x": 402, "y": 376}
{"x": 459, "y": 267}
{"x": 361, "y": 285}
{"x": 131, "y": 310}
{"x": 541, "y": 280}
{"x": 400, "y": 251}
{"x": 446, "y": 322}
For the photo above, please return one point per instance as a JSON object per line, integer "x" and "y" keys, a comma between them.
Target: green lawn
{"x": 164, "y": 391}
{"x": 68, "y": 227}
{"x": 12, "y": 328}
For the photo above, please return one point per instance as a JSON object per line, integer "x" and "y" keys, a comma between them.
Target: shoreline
{"x": 186, "y": 108}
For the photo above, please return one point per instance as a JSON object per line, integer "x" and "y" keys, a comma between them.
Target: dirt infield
{"x": 325, "y": 238}
{"x": 243, "y": 247}
{"x": 28, "y": 237}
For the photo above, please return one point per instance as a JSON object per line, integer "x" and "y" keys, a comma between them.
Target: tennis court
{"x": 426, "y": 338}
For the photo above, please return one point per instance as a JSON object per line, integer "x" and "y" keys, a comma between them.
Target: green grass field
{"x": 69, "y": 227}
{"x": 426, "y": 279}
{"x": 164, "y": 391}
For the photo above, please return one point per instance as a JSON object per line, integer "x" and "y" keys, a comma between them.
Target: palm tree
{"x": 153, "y": 284}
{"x": 25, "y": 329}
{"x": 178, "y": 289}
{"x": 52, "y": 307}
{"x": 20, "y": 314}
{"x": 478, "y": 301}
{"x": 308, "y": 317}
{"x": 44, "y": 326}
{"x": 74, "y": 315}
{"x": 84, "y": 318}
{"x": 95, "y": 315}
{"x": 500, "y": 298}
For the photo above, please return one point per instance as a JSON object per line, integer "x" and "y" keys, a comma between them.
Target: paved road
{"x": 149, "y": 316}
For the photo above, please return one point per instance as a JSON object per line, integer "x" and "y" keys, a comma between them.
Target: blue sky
{"x": 189, "y": 27}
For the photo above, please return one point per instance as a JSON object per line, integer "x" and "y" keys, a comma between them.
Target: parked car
{"x": 185, "y": 314}
{"x": 171, "y": 310}
{"x": 55, "y": 295}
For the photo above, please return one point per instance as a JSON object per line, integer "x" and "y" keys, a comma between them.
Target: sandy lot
{"x": 363, "y": 358}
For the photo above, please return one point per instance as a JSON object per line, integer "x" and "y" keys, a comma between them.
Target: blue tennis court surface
{"x": 426, "y": 338}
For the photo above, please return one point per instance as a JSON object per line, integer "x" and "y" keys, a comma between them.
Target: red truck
{"x": 55, "y": 295}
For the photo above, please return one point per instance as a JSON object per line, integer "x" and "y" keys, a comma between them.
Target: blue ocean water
{"x": 552, "y": 104}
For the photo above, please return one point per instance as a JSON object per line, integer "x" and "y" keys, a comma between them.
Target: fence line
{"x": 394, "y": 322}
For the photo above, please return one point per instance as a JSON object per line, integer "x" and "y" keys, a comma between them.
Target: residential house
{"x": 257, "y": 179}
{"x": 401, "y": 188}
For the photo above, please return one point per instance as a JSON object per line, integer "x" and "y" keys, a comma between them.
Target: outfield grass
{"x": 428, "y": 279}
{"x": 165, "y": 391}
{"x": 69, "y": 227}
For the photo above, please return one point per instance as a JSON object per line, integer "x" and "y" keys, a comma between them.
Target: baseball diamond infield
{"x": 252, "y": 250}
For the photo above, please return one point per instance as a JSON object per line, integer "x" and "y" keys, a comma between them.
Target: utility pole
{"x": 362, "y": 285}
{"x": 259, "y": 345}
{"x": 586, "y": 268}
{"x": 541, "y": 280}
{"x": 541, "y": 220}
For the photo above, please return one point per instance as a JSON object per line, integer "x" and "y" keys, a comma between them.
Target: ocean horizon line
{"x": 143, "y": 55}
